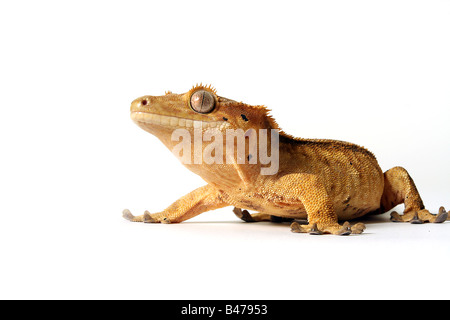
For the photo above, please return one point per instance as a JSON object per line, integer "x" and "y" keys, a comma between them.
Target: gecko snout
{"x": 140, "y": 103}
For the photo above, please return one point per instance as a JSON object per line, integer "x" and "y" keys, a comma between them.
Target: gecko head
{"x": 200, "y": 107}
{"x": 187, "y": 123}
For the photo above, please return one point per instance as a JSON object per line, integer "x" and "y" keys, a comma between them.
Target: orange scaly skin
{"x": 321, "y": 180}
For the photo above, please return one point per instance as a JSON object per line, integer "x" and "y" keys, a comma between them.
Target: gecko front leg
{"x": 194, "y": 203}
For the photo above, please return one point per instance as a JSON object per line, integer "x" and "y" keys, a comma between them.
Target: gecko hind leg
{"x": 399, "y": 188}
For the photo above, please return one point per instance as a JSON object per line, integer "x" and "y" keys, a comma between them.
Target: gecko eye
{"x": 202, "y": 101}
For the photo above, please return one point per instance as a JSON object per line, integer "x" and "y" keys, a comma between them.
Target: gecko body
{"x": 323, "y": 181}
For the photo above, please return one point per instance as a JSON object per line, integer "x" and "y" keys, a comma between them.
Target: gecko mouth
{"x": 176, "y": 122}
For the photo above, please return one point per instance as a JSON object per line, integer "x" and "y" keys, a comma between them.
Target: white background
{"x": 376, "y": 73}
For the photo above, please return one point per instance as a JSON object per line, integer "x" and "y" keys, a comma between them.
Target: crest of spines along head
{"x": 200, "y": 86}
{"x": 261, "y": 110}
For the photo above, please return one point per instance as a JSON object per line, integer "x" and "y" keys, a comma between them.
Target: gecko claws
{"x": 127, "y": 215}
{"x": 416, "y": 219}
{"x": 314, "y": 230}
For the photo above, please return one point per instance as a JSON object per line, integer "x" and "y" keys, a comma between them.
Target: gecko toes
{"x": 314, "y": 230}
{"x": 395, "y": 217}
{"x": 441, "y": 216}
{"x": 358, "y": 228}
{"x": 127, "y": 215}
{"x": 336, "y": 229}
{"x": 297, "y": 228}
{"x": 345, "y": 230}
{"x": 243, "y": 215}
{"x": 421, "y": 216}
{"x": 148, "y": 217}
{"x": 416, "y": 219}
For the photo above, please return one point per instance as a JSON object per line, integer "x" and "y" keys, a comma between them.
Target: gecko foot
{"x": 336, "y": 229}
{"x": 421, "y": 216}
{"x": 130, "y": 217}
{"x": 146, "y": 217}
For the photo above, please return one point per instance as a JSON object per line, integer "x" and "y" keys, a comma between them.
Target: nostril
{"x": 144, "y": 102}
